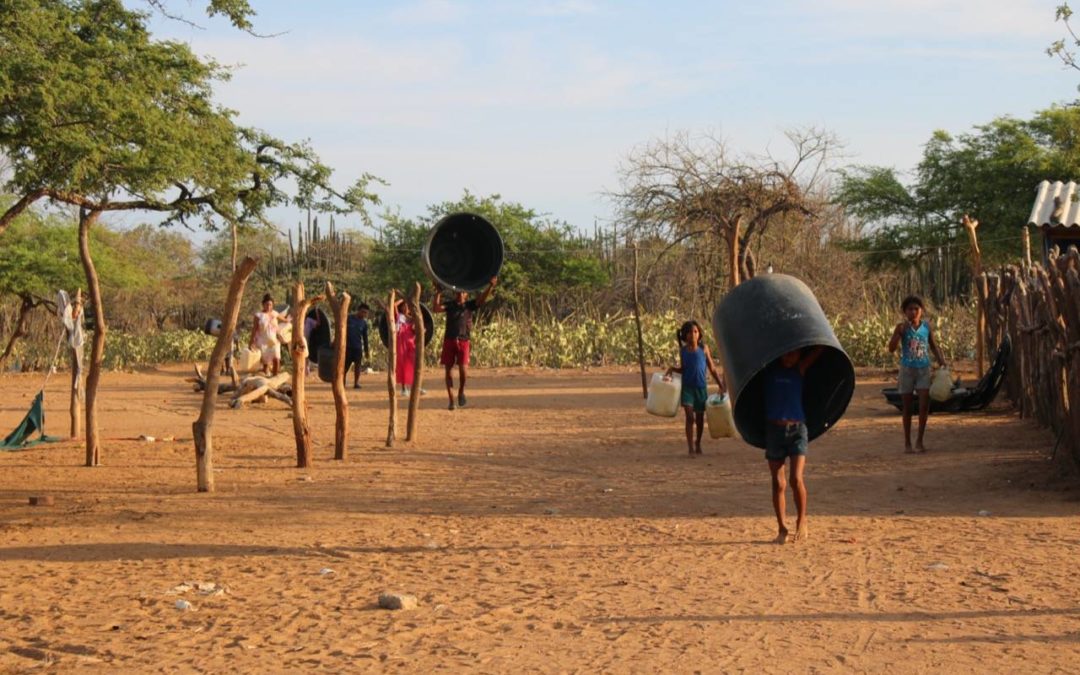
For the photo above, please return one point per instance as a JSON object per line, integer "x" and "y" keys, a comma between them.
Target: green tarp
{"x": 33, "y": 422}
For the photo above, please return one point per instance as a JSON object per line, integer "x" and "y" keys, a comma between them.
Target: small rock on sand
{"x": 397, "y": 601}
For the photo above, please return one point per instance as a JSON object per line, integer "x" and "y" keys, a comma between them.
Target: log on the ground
{"x": 257, "y": 388}
{"x": 199, "y": 381}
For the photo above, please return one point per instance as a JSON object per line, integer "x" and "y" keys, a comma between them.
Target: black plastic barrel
{"x": 429, "y": 326}
{"x": 462, "y": 252}
{"x": 325, "y": 357}
{"x": 762, "y": 319}
{"x": 321, "y": 335}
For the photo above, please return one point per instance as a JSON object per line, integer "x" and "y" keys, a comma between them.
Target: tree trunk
{"x": 232, "y": 228}
{"x": 299, "y": 350}
{"x": 637, "y": 323}
{"x": 391, "y": 369}
{"x": 97, "y": 346}
{"x": 200, "y": 429}
{"x": 418, "y": 367}
{"x": 77, "y": 392}
{"x": 733, "y": 250}
{"x": 340, "y": 307}
{"x": 26, "y": 305}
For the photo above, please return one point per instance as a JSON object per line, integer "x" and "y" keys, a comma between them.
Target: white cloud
{"x": 429, "y": 11}
{"x": 957, "y": 19}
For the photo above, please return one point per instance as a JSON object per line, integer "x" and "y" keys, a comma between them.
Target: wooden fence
{"x": 1039, "y": 310}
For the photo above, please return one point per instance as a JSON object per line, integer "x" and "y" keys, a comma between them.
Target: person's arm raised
{"x": 487, "y": 291}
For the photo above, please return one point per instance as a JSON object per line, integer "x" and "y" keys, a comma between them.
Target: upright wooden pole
{"x": 340, "y": 306}
{"x": 418, "y": 366}
{"x": 391, "y": 367}
{"x": 299, "y": 351}
{"x": 87, "y": 219}
{"x": 637, "y": 323}
{"x": 970, "y": 224}
{"x": 76, "y": 354}
{"x": 200, "y": 429}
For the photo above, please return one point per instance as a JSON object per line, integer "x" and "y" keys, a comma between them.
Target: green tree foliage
{"x": 990, "y": 173}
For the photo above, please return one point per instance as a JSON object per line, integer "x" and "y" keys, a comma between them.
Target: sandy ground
{"x": 550, "y": 526}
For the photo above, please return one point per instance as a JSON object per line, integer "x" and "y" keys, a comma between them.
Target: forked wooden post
{"x": 391, "y": 369}
{"x": 77, "y": 393}
{"x": 418, "y": 366}
{"x": 299, "y": 351}
{"x": 970, "y": 224}
{"x": 340, "y": 306}
{"x": 200, "y": 429}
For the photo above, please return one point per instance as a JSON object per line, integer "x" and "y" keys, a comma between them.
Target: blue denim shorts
{"x": 694, "y": 397}
{"x": 783, "y": 441}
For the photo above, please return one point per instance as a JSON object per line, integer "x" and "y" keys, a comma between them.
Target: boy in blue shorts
{"x": 785, "y": 434}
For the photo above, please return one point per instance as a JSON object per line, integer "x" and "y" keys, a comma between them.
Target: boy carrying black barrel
{"x": 786, "y": 434}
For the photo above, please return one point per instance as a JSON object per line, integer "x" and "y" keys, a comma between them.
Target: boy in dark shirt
{"x": 356, "y": 342}
{"x": 786, "y": 435}
{"x": 455, "y": 349}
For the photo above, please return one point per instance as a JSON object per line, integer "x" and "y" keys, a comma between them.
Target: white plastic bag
{"x": 941, "y": 385}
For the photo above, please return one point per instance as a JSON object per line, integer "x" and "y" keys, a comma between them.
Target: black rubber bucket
{"x": 325, "y": 357}
{"x": 429, "y": 326}
{"x": 462, "y": 252}
{"x": 321, "y": 336}
{"x": 762, "y": 319}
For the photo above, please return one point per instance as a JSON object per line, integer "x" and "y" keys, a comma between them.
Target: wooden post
{"x": 418, "y": 366}
{"x": 200, "y": 429}
{"x": 976, "y": 262}
{"x": 733, "y": 250}
{"x": 340, "y": 306}
{"x": 637, "y": 323}
{"x": 77, "y": 392}
{"x": 87, "y": 218}
{"x": 391, "y": 368}
{"x": 1027, "y": 246}
{"x": 299, "y": 351}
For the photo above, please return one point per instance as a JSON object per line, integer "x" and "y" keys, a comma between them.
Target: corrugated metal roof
{"x": 1056, "y": 205}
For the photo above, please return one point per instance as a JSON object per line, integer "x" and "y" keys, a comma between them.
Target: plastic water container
{"x": 718, "y": 415}
{"x": 663, "y": 398}
{"x": 941, "y": 385}
{"x": 248, "y": 360}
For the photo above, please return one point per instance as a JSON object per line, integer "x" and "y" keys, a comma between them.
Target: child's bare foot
{"x": 909, "y": 450}
{"x": 781, "y": 536}
{"x": 919, "y": 447}
{"x": 801, "y": 532}
{"x": 692, "y": 453}
{"x": 697, "y": 448}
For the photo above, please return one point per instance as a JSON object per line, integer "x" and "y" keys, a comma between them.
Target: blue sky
{"x": 540, "y": 101}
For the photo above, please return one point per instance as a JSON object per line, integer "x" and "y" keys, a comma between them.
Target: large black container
{"x": 322, "y": 335}
{"x": 760, "y": 320}
{"x": 429, "y": 326}
{"x": 325, "y": 357}
{"x": 462, "y": 252}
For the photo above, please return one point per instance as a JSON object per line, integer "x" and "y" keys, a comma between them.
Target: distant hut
{"x": 1056, "y": 214}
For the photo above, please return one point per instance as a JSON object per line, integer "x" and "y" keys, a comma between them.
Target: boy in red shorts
{"x": 455, "y": 349}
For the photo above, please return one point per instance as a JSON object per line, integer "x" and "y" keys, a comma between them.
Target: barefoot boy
{"x": 916, "y": 340}
{"x": 785, "y": 434}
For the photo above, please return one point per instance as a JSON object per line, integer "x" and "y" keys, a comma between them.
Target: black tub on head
{"x": 463, "y": 252}
{"x": 762, "y": 319}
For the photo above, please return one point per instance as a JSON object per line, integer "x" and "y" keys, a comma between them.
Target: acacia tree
{"x": 694, "y": 192}
{"x": 96, "y": 114}
{"x": 989, "y": 173}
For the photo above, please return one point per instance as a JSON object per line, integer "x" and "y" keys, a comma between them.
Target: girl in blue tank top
{"x": 694, "y": 361}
